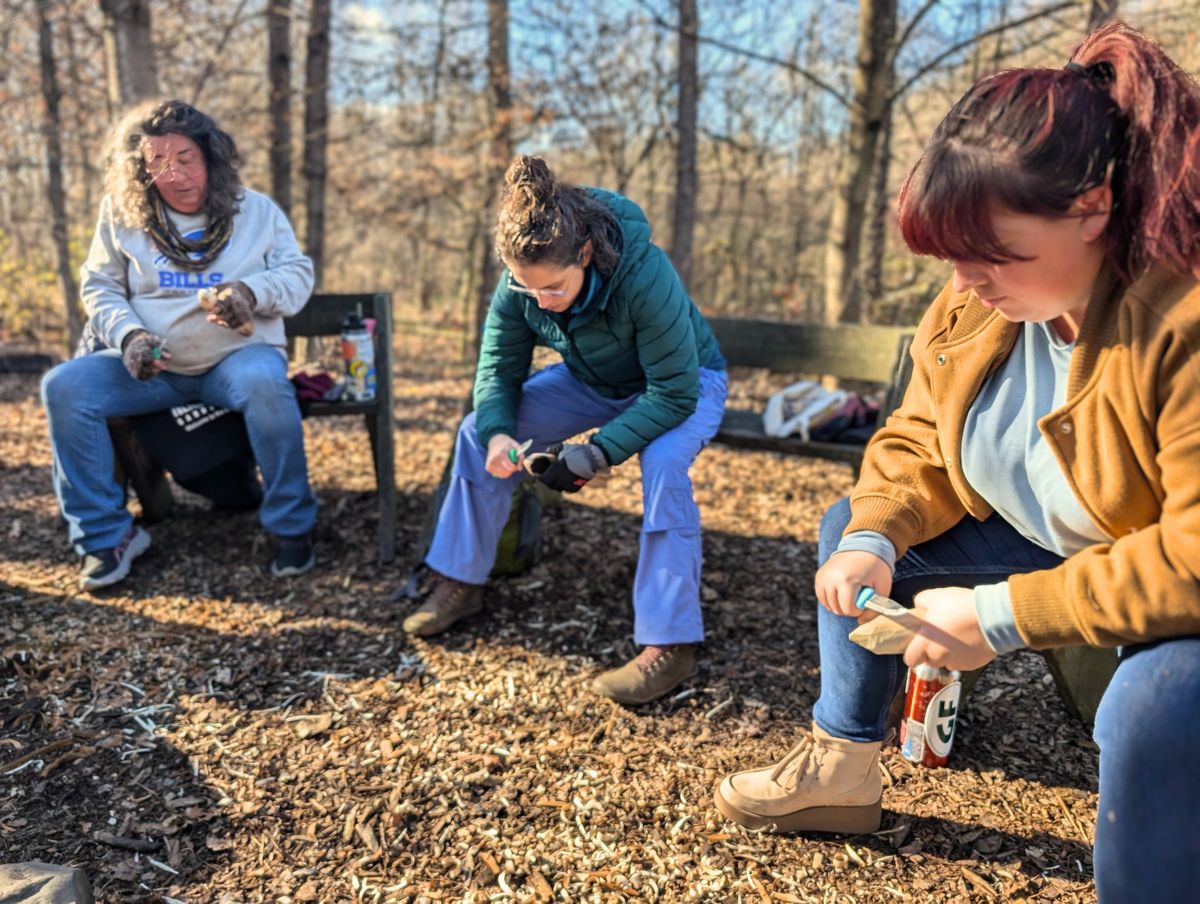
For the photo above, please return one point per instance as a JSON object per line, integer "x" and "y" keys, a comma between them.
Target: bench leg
{"x": 383, "y": 455}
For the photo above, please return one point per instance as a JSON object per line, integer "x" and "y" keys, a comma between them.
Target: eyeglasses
{"x": 514, "y": 286}
{"x": 173, "y": 167}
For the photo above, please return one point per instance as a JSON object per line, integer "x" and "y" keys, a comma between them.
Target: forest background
{"x": 765, "y": 141}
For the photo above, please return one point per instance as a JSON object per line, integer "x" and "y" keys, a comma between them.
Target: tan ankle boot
{"x": 653, "y": 672}
{"x": 448, "y": 601}
{"x": 823, "y": 784}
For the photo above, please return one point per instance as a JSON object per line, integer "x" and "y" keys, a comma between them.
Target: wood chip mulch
{"x": 203, "y": 733}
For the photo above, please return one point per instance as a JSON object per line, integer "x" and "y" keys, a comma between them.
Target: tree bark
{"x": 279, "y": 74}
{"x": 55, "y": 195}
{"x": 89, "y": 176}
{"x": 684, "y": 224}
{"x": 881, "y": 207}
{"x": 316, "y": 131}
{"x": 872, "y": 85}
{"x": 499, "y": 151}
{"x": 128, "y": 51}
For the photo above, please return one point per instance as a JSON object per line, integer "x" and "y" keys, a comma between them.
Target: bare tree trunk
{"x": 872, "y": 84}
{"x": 998, "y": 47}
{"x": 316, "y": 131}
{"x": 89, "y": 177}
{"x": 279, "y": 73}
{"x": 872, "y": 263}
{"x": 499, "y": 152}
{"x": 684, "y": 226}
{"x": 55, "y": 196}
{"x": 128, "y": 51}
{"x": 1101, "y": 13}
{"x": 474, "y": 290}
{"x": 716, "y": 262}
{"x": 809, "y": 145}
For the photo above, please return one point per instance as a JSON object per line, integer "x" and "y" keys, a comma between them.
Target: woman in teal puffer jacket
{"x": 639, "y": 363}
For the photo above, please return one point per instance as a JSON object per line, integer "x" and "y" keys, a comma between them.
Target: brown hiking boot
{"x": 823, "y": 784}
{"x": 447, "y": 602}
{"x": 653, "y": 672}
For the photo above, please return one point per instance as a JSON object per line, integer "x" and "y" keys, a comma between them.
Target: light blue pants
{"x": 554, "y": 407}
{"x": 80, "y": 394}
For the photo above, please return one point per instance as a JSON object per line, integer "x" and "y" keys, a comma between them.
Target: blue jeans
{"x": 555, "y": 406}
{"x": 1147, "y": 728}
{"x": 82, "y": 393}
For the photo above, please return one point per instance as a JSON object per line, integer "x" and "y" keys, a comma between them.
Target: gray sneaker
{"x": 105, "y": 567}
{"x": 448, "y": 601}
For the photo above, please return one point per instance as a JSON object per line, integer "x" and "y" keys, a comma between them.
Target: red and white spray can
{"x": 930, "y": 714}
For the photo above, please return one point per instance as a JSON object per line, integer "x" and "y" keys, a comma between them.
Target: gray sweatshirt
{"x": 128, "y": 284}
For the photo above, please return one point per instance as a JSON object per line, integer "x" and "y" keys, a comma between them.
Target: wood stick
{"x": 34, "y": 754}
{"x": 141, "y": 845}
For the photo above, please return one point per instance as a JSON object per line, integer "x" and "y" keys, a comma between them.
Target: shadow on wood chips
{"x": 204, "y": 733}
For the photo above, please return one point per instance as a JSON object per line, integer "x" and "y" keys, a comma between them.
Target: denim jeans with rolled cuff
{"x": 1148, "y": 726}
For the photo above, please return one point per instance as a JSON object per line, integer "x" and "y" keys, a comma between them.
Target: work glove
{"x": 231, "y": 305}
{"x": 570, "y": 470}
{"x": 142, "y": 353}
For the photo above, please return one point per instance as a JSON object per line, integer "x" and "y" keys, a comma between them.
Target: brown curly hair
{"x": 129, "y": 184}
{"x": 544, "y": 221}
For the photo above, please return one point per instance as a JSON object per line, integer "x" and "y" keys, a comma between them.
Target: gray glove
{"x": 141, "y": 352}
{"x": 575, "y": 465}
{"x": 234, "y": 303}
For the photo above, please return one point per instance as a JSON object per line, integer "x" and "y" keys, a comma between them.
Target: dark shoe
{"x": 293, "y": 556}
{"x": 653, "y": 672}
{"x": 448, "y": 601}
{"x": 105, "y": 567}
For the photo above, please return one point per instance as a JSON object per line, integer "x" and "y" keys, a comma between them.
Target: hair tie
{"x": 1102, "y": 73}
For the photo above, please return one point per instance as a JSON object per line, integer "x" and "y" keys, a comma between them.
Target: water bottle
{"x": 358, "y": 355}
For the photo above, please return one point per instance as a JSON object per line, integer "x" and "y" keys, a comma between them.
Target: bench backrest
{"x": 875, "y": 354}
{"x": 324, "y": 313}
{"x": 849, "y": 351}
{"x": 323, "y": 316}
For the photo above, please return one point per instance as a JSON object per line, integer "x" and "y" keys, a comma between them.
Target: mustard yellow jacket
{"x": 1127, "y": 440}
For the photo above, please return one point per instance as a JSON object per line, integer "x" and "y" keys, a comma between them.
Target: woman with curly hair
{"x": 1037, "y": 487}
{"x": 186, "y": 284}
{"x": 639, "y": 363}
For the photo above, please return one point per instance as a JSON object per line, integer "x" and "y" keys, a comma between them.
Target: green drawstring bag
{"x": 520, "y": 546}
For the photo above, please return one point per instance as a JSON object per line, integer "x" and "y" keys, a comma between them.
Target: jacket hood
{"x": 632, "y": 241}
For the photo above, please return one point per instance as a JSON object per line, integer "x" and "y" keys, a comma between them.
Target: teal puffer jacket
{"x": 639, "y": 333}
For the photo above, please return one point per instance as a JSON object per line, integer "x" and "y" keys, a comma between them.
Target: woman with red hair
{"x": 1038, "y": 486}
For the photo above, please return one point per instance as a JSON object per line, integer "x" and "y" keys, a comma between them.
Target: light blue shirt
{"x": 1008, "y": 462}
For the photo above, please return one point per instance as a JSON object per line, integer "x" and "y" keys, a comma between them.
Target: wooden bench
{"x": 871, "y": 354}
{"x": 323, "y": 316}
